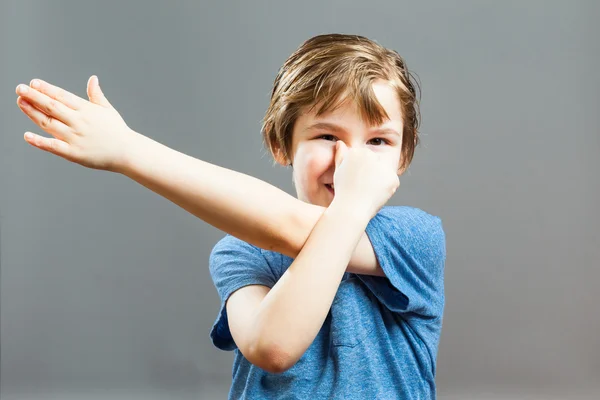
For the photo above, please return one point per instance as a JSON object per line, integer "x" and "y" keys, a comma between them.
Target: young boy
{"x": 330, "y": 295}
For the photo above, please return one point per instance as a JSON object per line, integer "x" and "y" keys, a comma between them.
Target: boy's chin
{"x": 324, "y": 201}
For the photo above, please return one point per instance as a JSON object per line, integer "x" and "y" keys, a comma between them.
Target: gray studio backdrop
{"x": 105, "y": 286}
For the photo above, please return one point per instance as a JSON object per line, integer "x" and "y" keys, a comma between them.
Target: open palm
{"x": 90, "y": 133}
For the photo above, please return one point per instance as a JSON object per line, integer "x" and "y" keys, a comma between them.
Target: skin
{"x": 274, "y": 327}
{"x": 268, "y": 325}
{"x": 313, "y": 149}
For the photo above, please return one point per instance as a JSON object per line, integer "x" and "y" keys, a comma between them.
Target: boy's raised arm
{"x": 241, "y": 205}
{"x": 93, "y": 134}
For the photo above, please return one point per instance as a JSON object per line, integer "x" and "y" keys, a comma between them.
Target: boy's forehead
{"x": 336, "y": 127}
{"x": 340, "y": 120}
{"x": 338, "y": 115}
{"x": 345, "y": 113}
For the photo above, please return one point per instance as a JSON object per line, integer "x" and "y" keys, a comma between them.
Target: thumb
{"x": 95, "y": 93}
{"x": 340, "y": 152}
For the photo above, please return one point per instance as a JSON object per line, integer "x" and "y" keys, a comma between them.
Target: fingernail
{"x": 35, "y": 84}
{"x": 22, "y": 89}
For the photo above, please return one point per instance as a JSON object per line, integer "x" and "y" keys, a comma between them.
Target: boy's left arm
{"x": 286, "y": 321}
{"x": 288, "y": 318}
{"x": 303, "y": 218}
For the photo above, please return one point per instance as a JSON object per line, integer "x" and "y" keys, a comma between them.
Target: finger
{"x": 69, "y": 99}
{"x": 340, "y": 151}
{"x": 95, "y": 94}
{"x": 47, "y": 123}
{"x": 47, "y": 105}
{"x": 54, "y": 146}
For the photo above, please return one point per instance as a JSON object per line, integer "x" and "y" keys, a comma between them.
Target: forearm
{"x": 236, "y": 203}
{"x": 363, "y": 260}
{"x": 241, "y": 205}
{"x": 291, "y": 314}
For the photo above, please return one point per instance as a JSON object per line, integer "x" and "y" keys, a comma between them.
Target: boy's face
{"x": 313, "y": 143}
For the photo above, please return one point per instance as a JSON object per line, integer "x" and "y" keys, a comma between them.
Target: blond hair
{"x": 324, "y": 70}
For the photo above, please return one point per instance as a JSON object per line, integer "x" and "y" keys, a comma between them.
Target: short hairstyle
{"x": 324, "y": 71}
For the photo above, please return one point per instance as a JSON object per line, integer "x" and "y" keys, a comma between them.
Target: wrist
{"x": 131, "y": 151}
{"x": 351, "y": 212}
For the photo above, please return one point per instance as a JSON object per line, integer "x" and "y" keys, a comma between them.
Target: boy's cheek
{"x": 317, "y": 158}
{"x": 392, "y": 158}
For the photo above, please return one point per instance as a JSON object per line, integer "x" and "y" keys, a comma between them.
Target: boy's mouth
{"x": 330, "y": 187}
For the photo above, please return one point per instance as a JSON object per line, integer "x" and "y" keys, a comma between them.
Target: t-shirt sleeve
{"x": 234, "y": 264}
{"x": 410, "y": 246}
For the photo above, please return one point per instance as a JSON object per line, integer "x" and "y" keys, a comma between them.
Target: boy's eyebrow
{"x": 336, "y": 128}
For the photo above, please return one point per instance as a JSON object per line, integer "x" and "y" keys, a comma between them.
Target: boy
{"x": 325, "y": 296}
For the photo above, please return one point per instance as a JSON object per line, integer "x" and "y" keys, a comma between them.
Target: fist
{"x": 362, "y": 179}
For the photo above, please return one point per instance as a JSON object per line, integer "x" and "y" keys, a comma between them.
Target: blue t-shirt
{"x": 380, "y": 338}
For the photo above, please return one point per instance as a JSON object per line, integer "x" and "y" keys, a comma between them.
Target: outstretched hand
{"x": 90, "y": 133}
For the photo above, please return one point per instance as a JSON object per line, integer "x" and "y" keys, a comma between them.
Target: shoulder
{"x": 231, "y": 253}
{"x": 413, "y": 228}
{"x": 229, "y": 247}
{"x": 409, "y": 244}
{"x": 415, "y": 220}
{"x": 231, "y": 243}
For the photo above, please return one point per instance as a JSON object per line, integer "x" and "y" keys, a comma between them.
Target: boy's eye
{"x": 327, "y": 137}
{"x": 380, "y": 141}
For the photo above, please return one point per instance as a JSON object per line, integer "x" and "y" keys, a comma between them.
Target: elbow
{"x": 278, "y": 363}
{"x": 271, "y": 358}
{"x": 299, "y": 226}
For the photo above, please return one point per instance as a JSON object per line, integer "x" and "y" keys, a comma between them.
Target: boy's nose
{"x": 351, "y": 145}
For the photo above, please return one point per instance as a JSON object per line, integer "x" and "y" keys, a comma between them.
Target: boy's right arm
{"x": 241, "y": 205}
{"x": 94, "y": 135}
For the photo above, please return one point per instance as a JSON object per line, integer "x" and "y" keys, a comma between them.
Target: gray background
{"x": 105, "y": 291}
